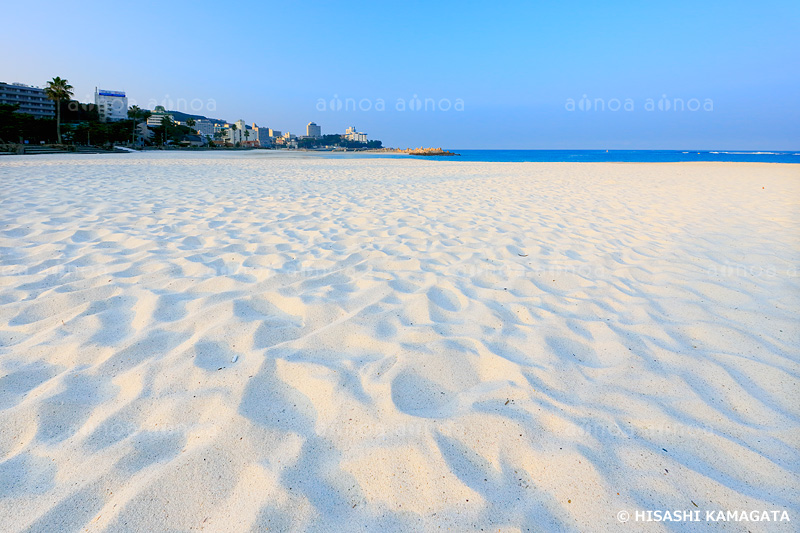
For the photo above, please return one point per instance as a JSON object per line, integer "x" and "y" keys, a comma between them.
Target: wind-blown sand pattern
{"x": 249, "y": 342}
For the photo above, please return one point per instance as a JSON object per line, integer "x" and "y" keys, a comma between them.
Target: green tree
{"x": 10, "y": 122}
{"x": 58, "y": 90}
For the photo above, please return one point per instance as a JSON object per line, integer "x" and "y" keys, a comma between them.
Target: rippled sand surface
{"x": 233, "y": 342}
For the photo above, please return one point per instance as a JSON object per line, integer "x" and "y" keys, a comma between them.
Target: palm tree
{"x": 57, "y": 90}
{"x": 166, "y": 123}
{"x": 133, "y": 112}
{"x": 246, "y": 135}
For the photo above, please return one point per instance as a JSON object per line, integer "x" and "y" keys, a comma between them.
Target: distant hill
{"x": 183, "y": 117}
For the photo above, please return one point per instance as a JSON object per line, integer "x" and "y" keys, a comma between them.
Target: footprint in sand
{"x": 84, "y": 236}
{"x": 150, "y": 447}
{"x": 62, "y": 415}
{"x": 16, "y": 384}
{"x": 26, "y": 474}
{"x": 416, "y": 395}
{"x": 445, "y": 299}
{"x": 212, "y": 356}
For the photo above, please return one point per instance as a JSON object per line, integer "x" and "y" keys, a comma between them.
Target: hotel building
{"x": 204, "y": 127}
{"x": 352, "y": 135}
{"x": 262, "y": 136}
{"x": 31, "y": 100}
{"x": 111, "y": 105}
{"x": 313, "y": 131}
{"x": 154, "y": 120}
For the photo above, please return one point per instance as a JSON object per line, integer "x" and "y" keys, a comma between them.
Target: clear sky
{"x": 514, "y": 66}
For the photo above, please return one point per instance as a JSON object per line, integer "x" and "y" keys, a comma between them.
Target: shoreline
{"x": 289, "y": 153}
{"x": 492, "y": 156}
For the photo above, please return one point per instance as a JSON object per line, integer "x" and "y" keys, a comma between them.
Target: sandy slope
{"x": 234, "y": 342}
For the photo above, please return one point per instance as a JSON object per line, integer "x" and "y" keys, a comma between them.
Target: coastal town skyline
{"x": 115, "y": 105}
{"x": 107, "y": 106}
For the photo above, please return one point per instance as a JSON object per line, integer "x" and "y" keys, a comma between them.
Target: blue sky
{"x": 513, "y": 65}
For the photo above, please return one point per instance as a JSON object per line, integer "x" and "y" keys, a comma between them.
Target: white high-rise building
{"x": 237, "y": 135}
{"x": 232, "y": 135}
{"x": 111, "y": 105}
{"x": 313, "y": 131}
{"x": 353, "y": 135}
{"x": 158, "y": 114}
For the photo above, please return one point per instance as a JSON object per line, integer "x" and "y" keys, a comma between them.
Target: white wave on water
{"x": 749, "y": 153}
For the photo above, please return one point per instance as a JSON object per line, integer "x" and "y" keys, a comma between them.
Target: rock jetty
{"x": 427, "y": 151}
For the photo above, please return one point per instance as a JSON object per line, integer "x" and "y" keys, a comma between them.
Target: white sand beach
{"x": 255, "y": 342}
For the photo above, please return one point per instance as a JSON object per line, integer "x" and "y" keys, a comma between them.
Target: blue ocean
{"x": 603, "y": 156}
